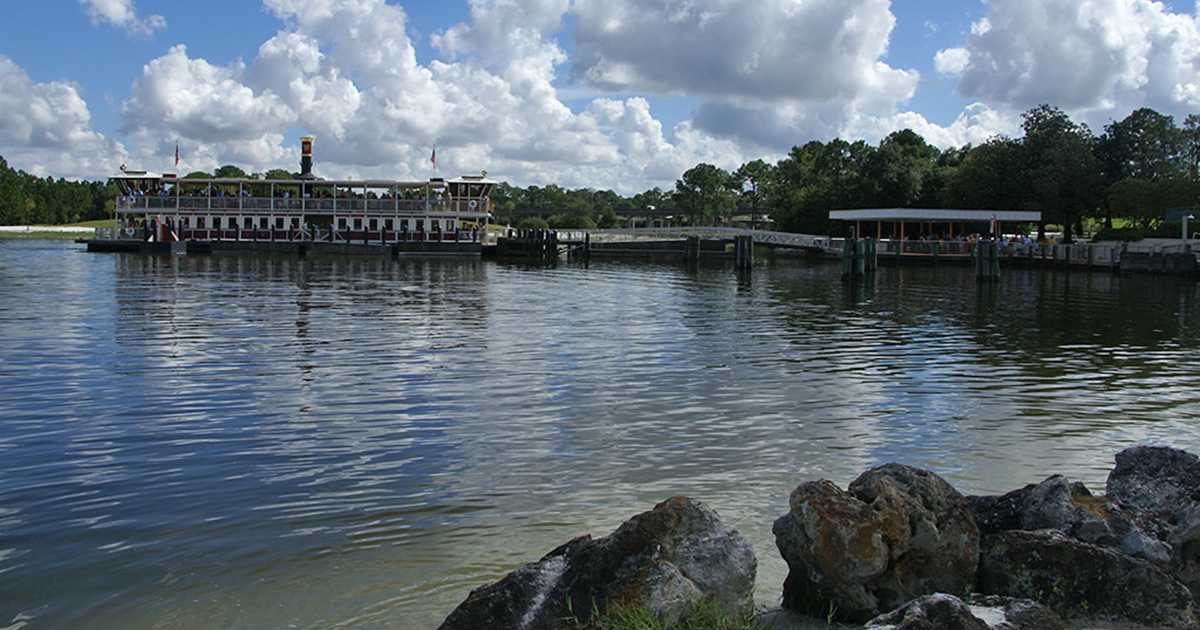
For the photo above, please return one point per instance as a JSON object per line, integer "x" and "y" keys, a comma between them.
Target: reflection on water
{"x": 256, "y": 442}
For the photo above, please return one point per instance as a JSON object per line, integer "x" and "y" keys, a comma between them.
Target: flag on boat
{"x": 177, "y": 155}
{"x": 433, "y": 158}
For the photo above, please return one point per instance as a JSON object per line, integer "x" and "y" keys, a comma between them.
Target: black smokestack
{"x": 306, "y": 149}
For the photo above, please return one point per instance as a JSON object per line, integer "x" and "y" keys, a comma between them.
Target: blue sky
{"x": 104, "y": 61}
{"x": 610, "y": 93}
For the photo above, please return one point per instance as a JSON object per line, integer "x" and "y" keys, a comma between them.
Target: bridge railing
{"x": 785, "y": 239}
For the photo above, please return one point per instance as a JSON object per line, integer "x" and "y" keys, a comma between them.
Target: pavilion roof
{"x": 936, "y": 215}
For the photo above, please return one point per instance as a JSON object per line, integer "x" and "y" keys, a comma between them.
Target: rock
{"x": 1156, "y": 479}
{"x": 1010, "y": 613}
{"x": 1162, "y": 486}
{"x": 1059, "y": 504}
{"x": 931, "y": 612}
{"x": 669, "y": 559}
{"x": 897, "y": 534}
{"x": 1078, "y": 579}
{"x": 940, "y": 611}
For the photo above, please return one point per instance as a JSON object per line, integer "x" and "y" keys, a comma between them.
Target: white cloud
{"x": 768, "y": 75}
{"x": 1098, "y": 59}
{"x": 45, "y": 128}
{"x": 347, "y": 71}
{"x": 975, "y": 125}
{"x": 818, "y": 50}
{"x": 952, "y": 60}
{"x": 122, "y": 14}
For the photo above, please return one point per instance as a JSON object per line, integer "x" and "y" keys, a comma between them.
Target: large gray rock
{"x": 669, "y": 560}
{"x": 897, "y": 534}
{"x": 1059, "y": 504}
{"x": 931, "y": 612}
{"x": 1077, "y": 579}
{"x": 941, "y": 611}
{"x": 1011, "y": 613}
{"x": 1156, "y": 479}
{"x": 1162, "y": 487}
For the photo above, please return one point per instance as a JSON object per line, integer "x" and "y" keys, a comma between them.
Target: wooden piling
{"x": 987, "y": 260}
{"x": 848, "y": 258}
{"x": 743, "y": 252}
{"x": 692, "y": 250}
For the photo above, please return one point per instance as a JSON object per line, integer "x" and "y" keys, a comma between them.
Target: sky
{"x": 606, "y": 94}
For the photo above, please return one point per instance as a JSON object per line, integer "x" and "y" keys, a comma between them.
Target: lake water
{"x": 256, "y": 442}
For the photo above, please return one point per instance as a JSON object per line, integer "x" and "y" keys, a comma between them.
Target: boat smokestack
{"x": 306, "y": 160}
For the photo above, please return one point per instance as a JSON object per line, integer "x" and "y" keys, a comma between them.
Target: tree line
{"x": 1128, "y": 178}
{"x": 27, "y": 199}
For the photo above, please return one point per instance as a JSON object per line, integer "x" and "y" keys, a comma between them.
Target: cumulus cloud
{"x": 769, "y": 49}
{"x": 122, "y": 14}
{"x": 46, "y": 127}
{"x": 952, "y": 60}
{"x": 768, "y": 74}
{"x": 765, "y": 76}
{"x": 347, "y": 71}
{"x": 1098, "y": 59}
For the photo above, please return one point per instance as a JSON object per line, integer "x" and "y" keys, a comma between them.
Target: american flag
{"x": 176, "y": 155}
{"x": 433, "y": 158}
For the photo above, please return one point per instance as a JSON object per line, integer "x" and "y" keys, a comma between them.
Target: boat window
{"x": 296, "y": 223}
{"x": 434, "y": 226}
{"x": 262, "y": 223}
{"x": 278, "y": 223}
{"x": 374, "y": 224}
{"x": 358, "y": 224}
{"x": 233, "y": 223}
{"x": 248, "y": 223}
{"x": 420, "y": 225}
{"x": 200, "y": 222}
{"x": 387, "y": 224}
{"x": 341, "y": 224}
{"x": 403, "y": 225}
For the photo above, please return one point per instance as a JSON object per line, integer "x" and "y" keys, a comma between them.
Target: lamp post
{"x": 1186, "y": 218}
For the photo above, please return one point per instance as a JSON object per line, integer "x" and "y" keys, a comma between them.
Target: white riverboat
{"x": 437, "y": 215}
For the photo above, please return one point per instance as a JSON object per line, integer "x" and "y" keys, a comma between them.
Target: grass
{"x": 33, "y": 236}
{"x": 704, "y": 617}
{"x": 98, "y": 223}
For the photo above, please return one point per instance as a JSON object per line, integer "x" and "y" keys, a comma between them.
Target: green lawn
{"x": 53, "y": 236}
{"x": 98, "y": 223}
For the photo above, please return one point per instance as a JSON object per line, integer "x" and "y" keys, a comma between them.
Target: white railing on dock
{"x": 120, "y": 234}
{"x": 765, "y": 237}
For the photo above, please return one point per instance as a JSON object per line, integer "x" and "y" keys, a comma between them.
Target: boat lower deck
{"x": 408, "y": 248}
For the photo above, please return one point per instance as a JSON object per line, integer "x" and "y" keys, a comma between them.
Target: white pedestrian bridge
{"x": 764, "y": 237}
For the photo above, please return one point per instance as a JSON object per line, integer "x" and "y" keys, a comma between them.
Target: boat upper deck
{"x": 465, "y": 197}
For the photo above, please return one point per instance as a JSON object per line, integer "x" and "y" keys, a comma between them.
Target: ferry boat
{"x": 164, "y": 212}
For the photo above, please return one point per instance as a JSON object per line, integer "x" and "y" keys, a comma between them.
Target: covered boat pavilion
{"x": 933, "y": 224}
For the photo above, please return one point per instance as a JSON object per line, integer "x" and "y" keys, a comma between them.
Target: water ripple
{"x": 352, "y": 442}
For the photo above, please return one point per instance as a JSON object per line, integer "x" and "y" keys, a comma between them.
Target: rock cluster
{"x": 668, "y": 560}
{"x": 947, "y": 612}
{"x": 900, "y": 548}
{"x": 897, "y": 534}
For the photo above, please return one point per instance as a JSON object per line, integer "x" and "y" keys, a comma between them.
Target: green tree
{"x": 533, "y": 223}
{"x": 1064, "y": 174}
{"x": 900, "y": 168}
{"x": 754, "y": 179}
{"x": 230, "y": 171}
{"x": 704, "y": 193}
